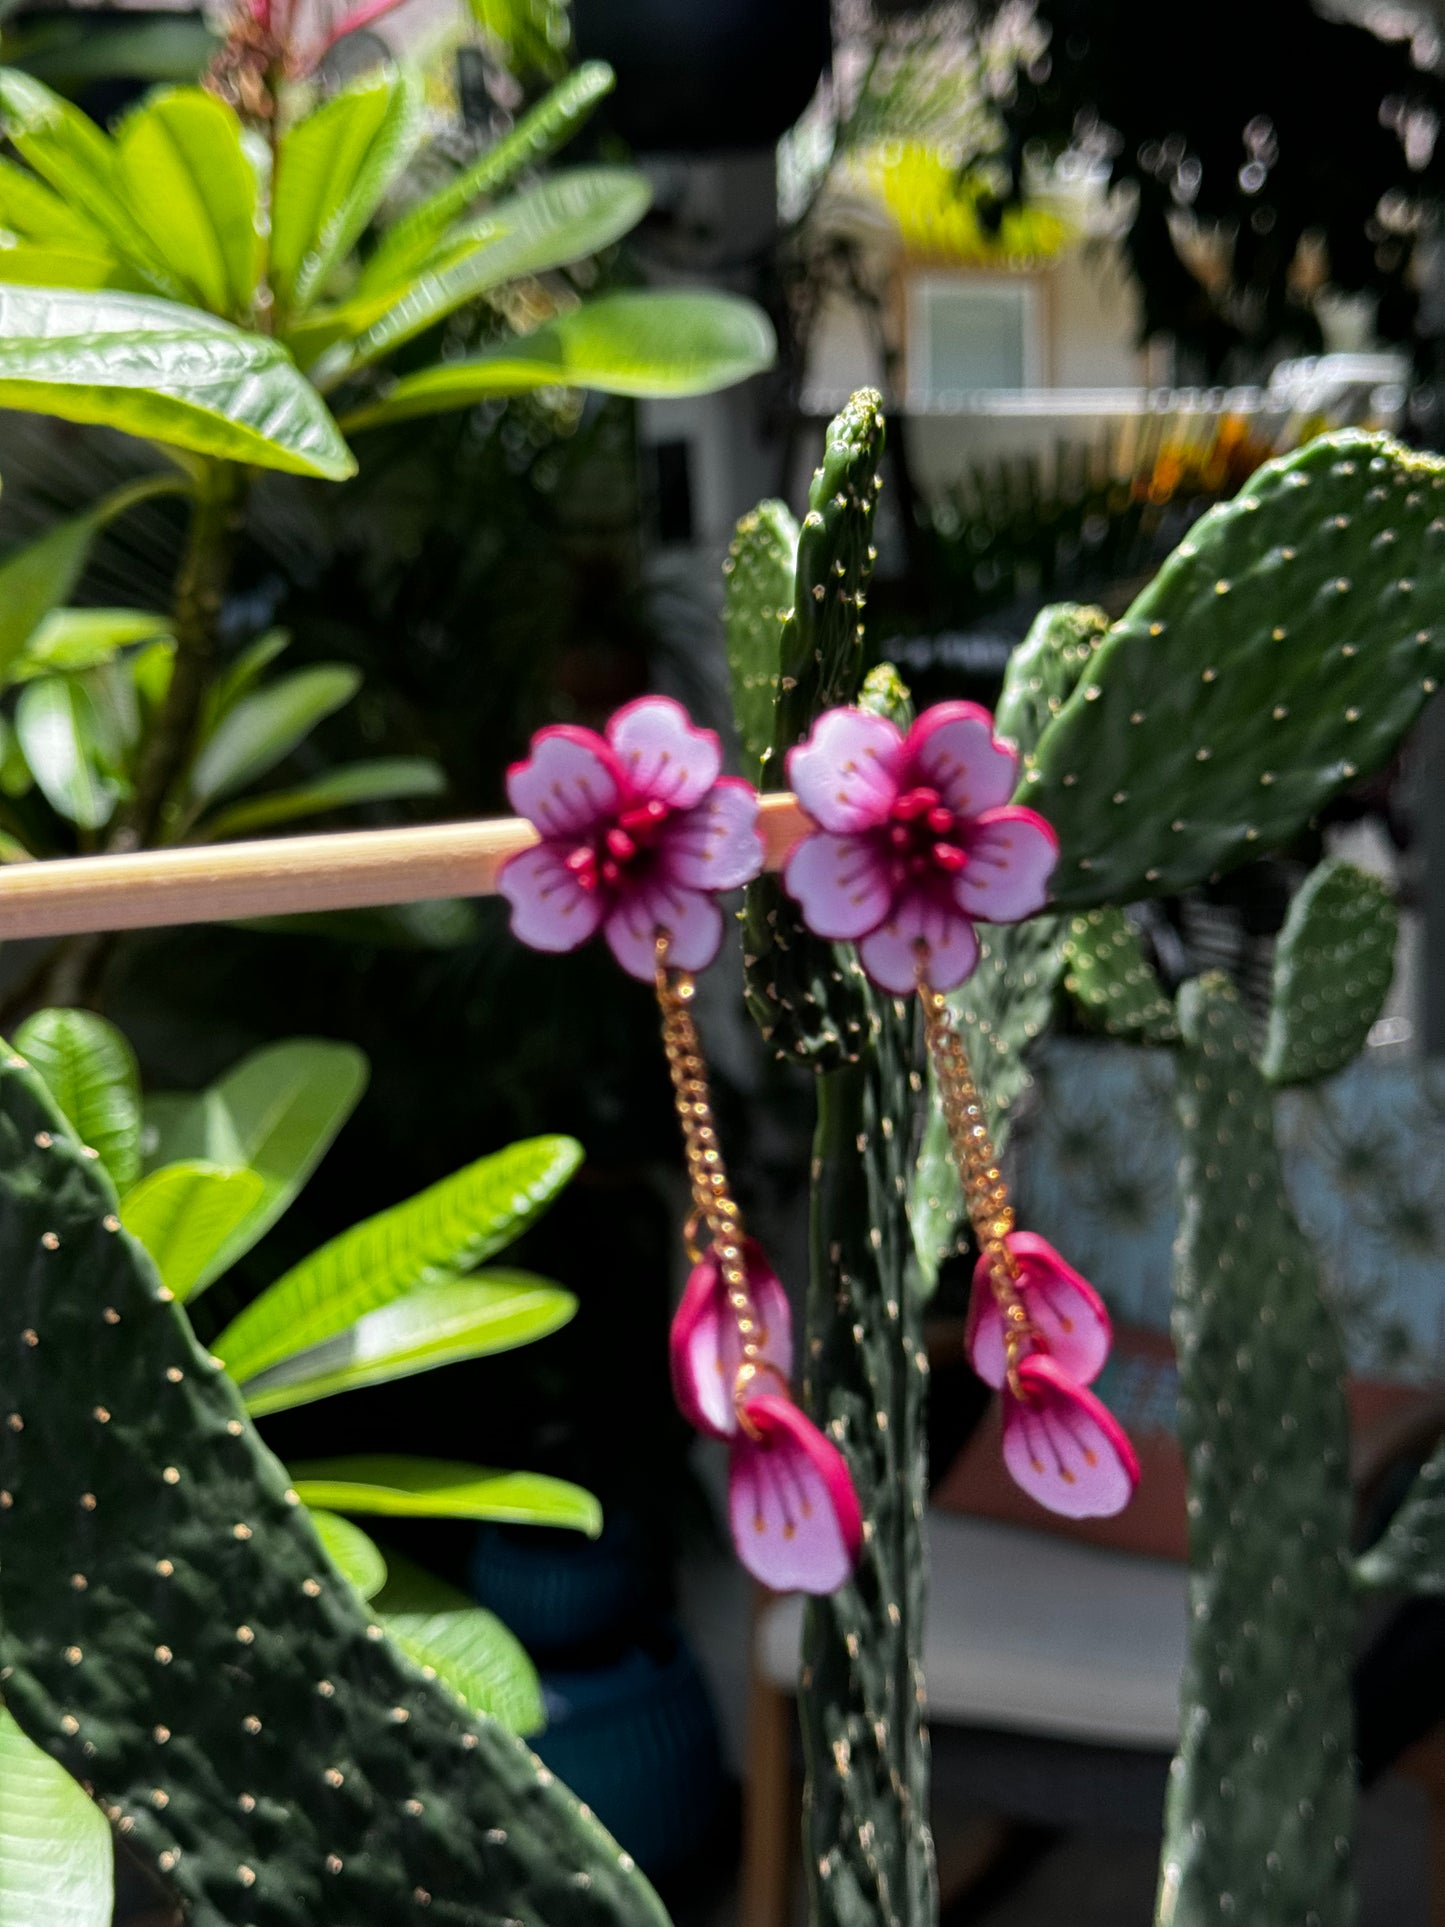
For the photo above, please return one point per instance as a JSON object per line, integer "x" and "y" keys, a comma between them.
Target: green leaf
{"x": 241, "y": 676}
{"x": 550, "y": 124}
{"x": 35, "y": 212}
{"x": 649, "y": 344}
{"x": 277, "y": 1113}
{"x": 80, "y": 162}
{"x": 385, "y": 780}
{"x": 265, "y": 727}
{"x": 355, "y": 1555}
{"x": 63, "y": 268}
{"x": 34, "y": 578}
{"x": 188, "y": 180}
{"x": 562, "y": 219}
{"x": 460, "y": 1222}
{"x": 382, "y": 1486}
{"x": 332, "y": 170}
{"x": 436, "y": 1324}
{"x": 166, "y": 373}
{"x": 90, "y": 1071}
{"x": 482, "y": 1661}
{"x": 76, "y": 639}
{"x": 56, "y": 1857}
{"x": 185, "y": 1215}
{"x": 61, "y": 735}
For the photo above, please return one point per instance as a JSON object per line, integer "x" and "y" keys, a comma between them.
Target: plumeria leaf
{"x": 265, "y": 727}
{"x": 41, "y": 574}
{"x": 62, "y": 736}
{"x": 276, "y": 1113}
{"x": 90, "y": 1071}
{"x": 386, "y": 780}
{"x": 75, "y": 639}
{"x": 184, "y": 1214}
{"x": 479, "y": 1658}
{"x": 188, "y": 181}
{"x": 459, "y": 1222}
{"x": 355, "y": 1555}
{"x": 38, "y": 214}
{"x": 646, "y": 344}
{"x": 561, "y": 219}
{"x": 61, "y": 267}
{"x": 167, "y": 373}
{"x": 539, "y": 133}
{"x": 241, "y": 676}
{"x": 56, "y": 1856}
{"x": 393, "y": 1487}
{"x": 332, "y": 170}
{"x": 80, "y": 163}
{"x": 435, "y": 1324}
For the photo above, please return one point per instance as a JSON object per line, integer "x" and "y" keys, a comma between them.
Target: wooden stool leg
{"x": 770, "y": 1818}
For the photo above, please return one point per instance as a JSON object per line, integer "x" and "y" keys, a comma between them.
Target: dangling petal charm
{"x": 706, "y": 1345}
{"x": 1063, "y": 1446}
{"x": 1063, "y": 1312}
{"x": 794, "y": 1513}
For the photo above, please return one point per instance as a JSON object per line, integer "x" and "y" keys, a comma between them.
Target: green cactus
{"x": 806, "y": 995}
{"x": 175, "y": 1635}
{"x": 1261, "y": 1798}
{"x": 1333, "y": 967}
{"x": 1110, "y": 980}
{"x": 1409, "y": 1556}
{"x": 759, "y": 573}
{"x": 1282, "y": 651}
{"x": 1045, "y": 668}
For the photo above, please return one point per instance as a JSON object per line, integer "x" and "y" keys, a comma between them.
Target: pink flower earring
{"x": 916, "y": 841}
{"x": 639, "y": 832}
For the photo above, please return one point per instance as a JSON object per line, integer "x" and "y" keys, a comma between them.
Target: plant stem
{"x": 200, "y": 589}
{"x": 72, "y": 973}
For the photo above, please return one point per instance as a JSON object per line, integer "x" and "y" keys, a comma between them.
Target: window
{"x": 970, "y": 332}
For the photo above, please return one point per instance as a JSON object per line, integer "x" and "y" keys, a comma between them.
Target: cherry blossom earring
{"x": 917, "y": 840}
{"x": 639, "y": 833}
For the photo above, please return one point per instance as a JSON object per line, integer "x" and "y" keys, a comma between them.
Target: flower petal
{"x": 705, "y": 1348}
{"x": 841, "y": 883}
{"x": 1068, "y": 1314}
{"x": 923, "y": 931}
{"x": 791, "y": 1504}
{"x": 663, "y": 753}
{"x": 846, "y": 774}
{"x": 952, "y": 748}
{"x": 550, "y": 909}
{"x": 1011, "y": 856}
{"x": 690, "y": 917}
{"x": 569, "y": 783}
{"x": 1064, "y": 1447}
{"x": 716, "y": 844}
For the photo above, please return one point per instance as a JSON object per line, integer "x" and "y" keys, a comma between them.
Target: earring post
{"x": 284, "y": 876}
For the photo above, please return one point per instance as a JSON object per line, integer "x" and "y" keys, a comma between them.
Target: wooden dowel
{"x": 217, "y": 883}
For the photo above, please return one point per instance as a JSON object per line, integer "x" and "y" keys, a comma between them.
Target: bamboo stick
{"x": 281, "y": 876}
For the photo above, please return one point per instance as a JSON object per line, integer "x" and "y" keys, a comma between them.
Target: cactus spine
{"x": 174, "y": 1634}
{"x": 867, "y": 1848}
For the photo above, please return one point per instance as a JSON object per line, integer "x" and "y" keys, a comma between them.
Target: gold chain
{"x": 984, "y": 1189}
{"x": 713, "y": 1202}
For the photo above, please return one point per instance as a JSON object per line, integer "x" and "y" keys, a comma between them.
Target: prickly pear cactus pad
{"x": 1283, "y": 650}
{"x": 868, "y": 1851}
{"x": 1409, "y": 1556}
{"x": 1261, "y": 1797}
{"x": 1045, "y": 668}
{"x": 806, "y": 995}
{"x": 1333, "y": 966}
{"x": 172, "y": 1632}
{"x": 1109, "y": 978}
